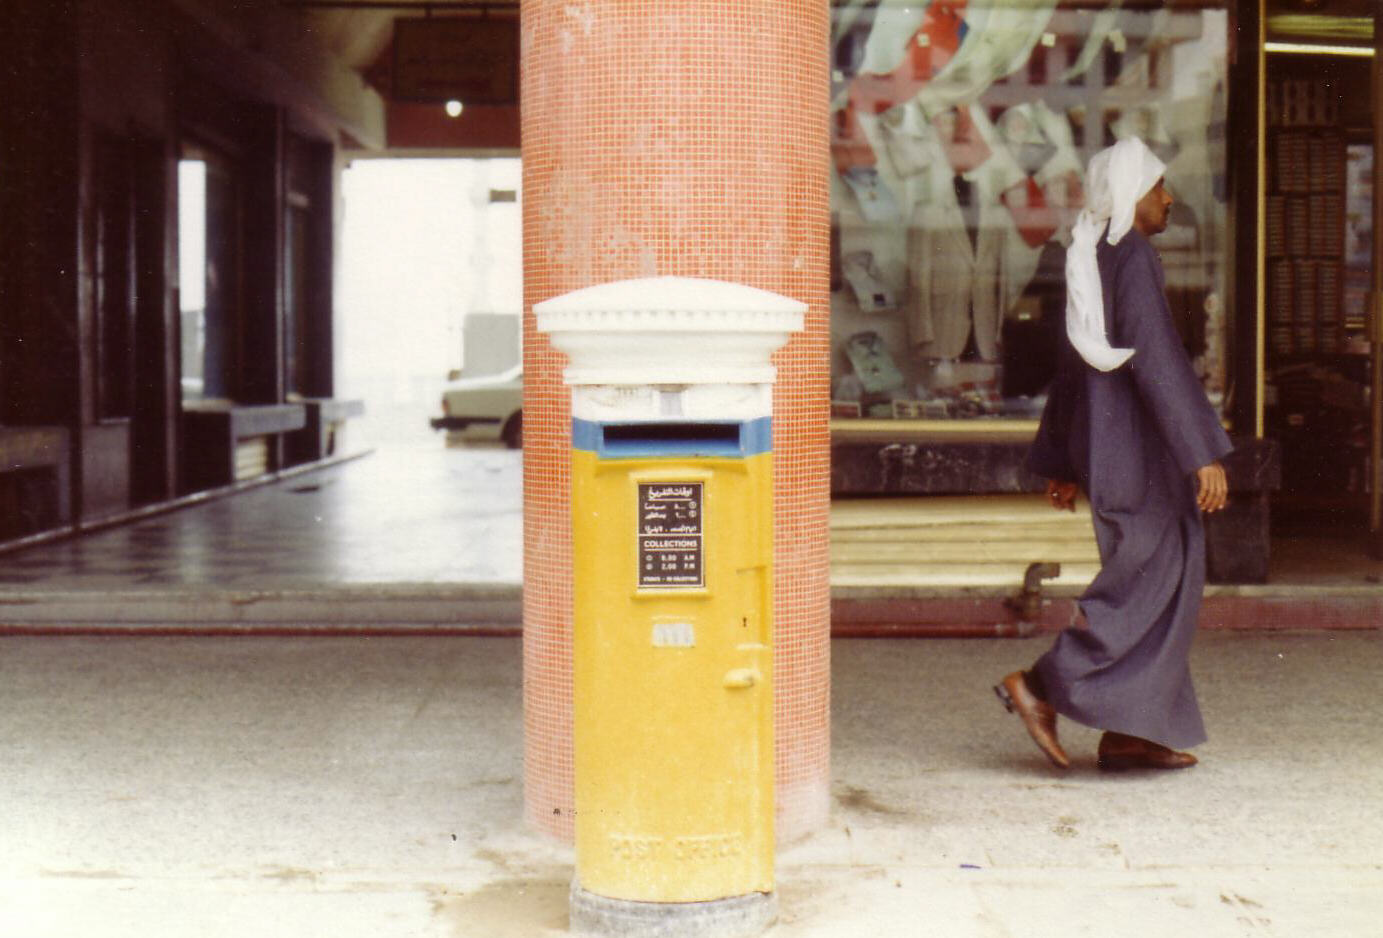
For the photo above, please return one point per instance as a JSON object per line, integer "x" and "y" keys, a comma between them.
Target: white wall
{"x": 422, "y": 247}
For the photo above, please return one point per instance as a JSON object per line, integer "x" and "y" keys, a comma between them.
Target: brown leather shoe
{"x": 1037, "y": 715}
{"x": 1119, "y": 752}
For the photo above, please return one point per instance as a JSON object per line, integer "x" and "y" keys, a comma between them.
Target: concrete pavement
{"x": 155, "y": 784}
{"x": 348, "y": 786}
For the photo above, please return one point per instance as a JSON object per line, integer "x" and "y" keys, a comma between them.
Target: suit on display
{"x": 956, "y": 244}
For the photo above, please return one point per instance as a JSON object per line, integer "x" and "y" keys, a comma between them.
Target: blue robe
{"x": 1133, "y": 439}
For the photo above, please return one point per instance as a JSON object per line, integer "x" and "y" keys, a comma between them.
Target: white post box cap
{"x": 669, "y": 330}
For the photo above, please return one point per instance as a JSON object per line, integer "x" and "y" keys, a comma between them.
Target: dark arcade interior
{"x": 132, "y": 377}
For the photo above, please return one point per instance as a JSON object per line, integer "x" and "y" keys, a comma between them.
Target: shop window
{"x": 1319, "y": 256}
{"x": 960, "y": 135}
{"x": 209, "y": 273}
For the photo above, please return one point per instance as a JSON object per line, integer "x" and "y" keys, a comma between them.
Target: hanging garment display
{"x": 957, "y": 266}
{"x": 907, "y": 46}
{"x": 894, "y": 26}
{"x": 953, "y": 126}
{"x": 867, "y": 283}
{"x": 908, "y": 140}
{"x": 1126, "y": 33}
{"x": 1145, "y": 122}
{"x": 965, "y": 136}
{"x": 849, "y": 36}
{"x": 1034, "y": 223}
{"x": 1065, "y": 161}
{"x": 1044, "y": 205}
{"x": 872, "y": 363}
{"x": 876, "y": 202}
{"x": 998, "y": 41}
{"x": 1195, "y": 278}
{"x": 1020, "y": 133}
{"x": 1106, "y": 21}
{"x": 965, "y": 275}
{"x": 1188, "y": 177}
{"x": 1033, "y": 218}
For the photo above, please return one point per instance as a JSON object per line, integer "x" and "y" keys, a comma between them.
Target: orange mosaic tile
{"x": 679, "y": 137}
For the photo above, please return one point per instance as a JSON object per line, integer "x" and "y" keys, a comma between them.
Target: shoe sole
{"x": 1132, "y": 763}
{"x": 1006, "y": 699}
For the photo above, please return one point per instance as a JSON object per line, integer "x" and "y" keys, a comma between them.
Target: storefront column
{"x": 1376, "y": 303}
{"x": 677, "y": 137}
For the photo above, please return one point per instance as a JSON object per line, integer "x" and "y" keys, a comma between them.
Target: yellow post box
{"x": 672, "y": 538}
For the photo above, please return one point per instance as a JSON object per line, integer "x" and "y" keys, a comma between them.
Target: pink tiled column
{"x": 679, "y": 137}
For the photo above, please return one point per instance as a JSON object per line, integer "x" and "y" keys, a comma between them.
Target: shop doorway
{"x": 1320, "y": 261}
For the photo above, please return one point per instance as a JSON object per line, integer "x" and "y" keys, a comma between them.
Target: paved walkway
{"x": 345, "y": 787}
{"x": 370, "y": 785}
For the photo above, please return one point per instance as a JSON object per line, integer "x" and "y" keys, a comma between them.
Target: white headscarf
{"x": 1117, "y": 178}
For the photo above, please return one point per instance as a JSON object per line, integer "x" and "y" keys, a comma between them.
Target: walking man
{"x": 1128, "y": 423}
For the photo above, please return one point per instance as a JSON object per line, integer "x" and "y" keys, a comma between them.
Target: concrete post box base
{"x": 735, "y": 917}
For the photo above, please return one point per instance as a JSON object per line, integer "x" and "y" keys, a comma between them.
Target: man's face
{"x": 1152, "y": 211}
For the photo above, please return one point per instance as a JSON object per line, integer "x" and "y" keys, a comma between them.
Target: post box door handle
{"x": 740, "y": 678}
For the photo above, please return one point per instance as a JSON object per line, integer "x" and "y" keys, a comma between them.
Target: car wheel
{"x": 512, "y": 434}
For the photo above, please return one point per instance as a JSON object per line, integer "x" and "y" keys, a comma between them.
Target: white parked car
{"x": 488, "y": 408}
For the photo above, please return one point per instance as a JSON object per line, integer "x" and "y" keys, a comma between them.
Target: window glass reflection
{"x": 960, "y": 136}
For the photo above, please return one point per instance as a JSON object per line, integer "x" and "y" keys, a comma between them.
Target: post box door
{"x": 673, "y": 686}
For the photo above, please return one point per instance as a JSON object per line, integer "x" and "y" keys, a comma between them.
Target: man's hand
{"x": 1062, "y": 494}
{"x": 1213, "y": 488}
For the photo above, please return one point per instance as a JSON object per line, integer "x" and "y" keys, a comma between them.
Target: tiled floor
{"x": 424, "y": 514}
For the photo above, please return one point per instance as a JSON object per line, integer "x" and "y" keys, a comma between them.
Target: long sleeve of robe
{"x": 1133, "y": 439}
